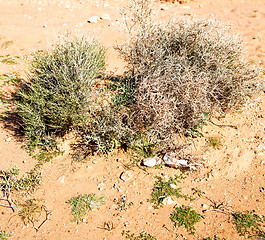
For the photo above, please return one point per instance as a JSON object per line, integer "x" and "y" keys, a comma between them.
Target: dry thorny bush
{"x": 182, "y": 69}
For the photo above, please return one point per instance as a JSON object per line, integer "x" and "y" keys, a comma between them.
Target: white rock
{"x": 94, "y": 19}
{"x": 8, "y": 139}
{"x": 106, "y": 5}
{"x": 101, "y": 184}
{"x": 152, "y": 161}
{"x": 61, "y": 179}
{"x": 168, "y": 201}
{"x": 204, "y": 206}
{"x": 126, "y": 176}
{"x": 105, "y": 17}
{"x": 173, "y": 186}
{"x": 171, "y": 160}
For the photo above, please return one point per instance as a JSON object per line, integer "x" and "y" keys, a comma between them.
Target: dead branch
{"x": 47, "y": 215}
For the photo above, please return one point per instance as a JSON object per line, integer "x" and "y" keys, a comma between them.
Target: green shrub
{"x": 182, "y": 69}
{"x": 141, "y": 236}
{"x": 29, "y": 182}
{"x": 4, "y": 235}
{"x": 163, "y": 189}
{"x": 185, "y": 216}
{"x": 82, "y": 203}
{"x": 30, "y": 211}
{"x": 249, "y": 224}
{"x": 60, "y": 92}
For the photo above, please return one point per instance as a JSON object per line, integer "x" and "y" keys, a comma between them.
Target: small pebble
{"x": 105, "y": 17}
{"x": 126, "y": 176}
{"x": 93, "y": 19}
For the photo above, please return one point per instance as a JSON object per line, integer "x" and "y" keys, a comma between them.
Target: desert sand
{"x": 233, "y": 174}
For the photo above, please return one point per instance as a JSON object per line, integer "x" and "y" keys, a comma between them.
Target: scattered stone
{"x": 126, "y": 224}
{"x": 94, "y": 19}
{"x": 101, "y": 184}
{"x": 117, "y": 187}
{"x": 8, "y": 139}
{"x": 83, "y": 220}
{"x": 204, "y": 206}
{"x": 94, "y": 161}
{"x": 106, "y": 5}
{"x": 168, "y": 201}
{"x": 171, "y": 160}
{"x": 45, "y": 26}
{"x": 126, "y": 176}
{"x": 100, "y": 189}
{"x": 164, "y": 8}
{"x": 152, "y": 161}
{"x": 61, "y": 179}
{"x": 105, "y": 17}
{"x": 79, "y": 25}
{"x": 173, "y": 186}
{"x": 209, "y": 175}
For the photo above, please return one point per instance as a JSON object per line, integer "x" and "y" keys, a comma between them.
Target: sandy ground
{"x": 233, "y": 174}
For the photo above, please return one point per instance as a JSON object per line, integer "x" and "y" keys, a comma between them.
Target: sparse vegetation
{"x": 11, "y": 78}
{"x": 4, "y": 235}
{"x": 29, "y": 182}
{"x": 214, "y": 238}
{"x": 141, "y": 236}
{"x": 143, "y": 146}
{"x": 163, "y": 189}
{"x": 82, "y": 203}
{"x": 185, "y": 216}
{"x": 108, "y": 226}
{"x": 6, "y": 44}
{"x": 214, "y": 142}
{"x": 198, "y": 192}
{"x": 31, "y": 210}
{"x": 249, "y": 224}
{"x": 7, "y": 59}
{"x": 123, "y": 203}
{"x": 34, "y": 212}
